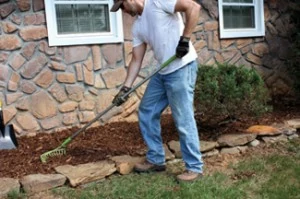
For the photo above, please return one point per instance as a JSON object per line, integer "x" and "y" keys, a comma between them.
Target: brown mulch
{"x": 98, "y": 143}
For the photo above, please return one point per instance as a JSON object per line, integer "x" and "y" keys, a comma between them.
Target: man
{"x": 160, "y": 25}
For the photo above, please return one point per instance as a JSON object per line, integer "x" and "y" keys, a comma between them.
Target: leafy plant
{"x": 227, "y": 91}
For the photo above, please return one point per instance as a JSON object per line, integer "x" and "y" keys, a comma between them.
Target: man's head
{"x": 117, "y": 4}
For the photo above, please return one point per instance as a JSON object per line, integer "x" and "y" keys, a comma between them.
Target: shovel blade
{"x": 8, "y": 138}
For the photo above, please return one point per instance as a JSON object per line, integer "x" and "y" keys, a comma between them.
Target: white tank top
{"x": 161, "y": 28}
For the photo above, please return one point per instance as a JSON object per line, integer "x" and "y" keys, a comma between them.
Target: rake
{"x": 62, "y": 149}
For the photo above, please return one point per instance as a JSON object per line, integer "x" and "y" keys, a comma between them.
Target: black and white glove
{"x": 119, "y": 98}
{"x": 182, "y": 47}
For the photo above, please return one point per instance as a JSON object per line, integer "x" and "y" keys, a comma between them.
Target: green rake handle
{"x": 113, "y": 105}
{"x": 62, "y": 148}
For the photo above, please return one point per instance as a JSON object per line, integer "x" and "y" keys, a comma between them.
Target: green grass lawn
{"x": 270, "y": 175}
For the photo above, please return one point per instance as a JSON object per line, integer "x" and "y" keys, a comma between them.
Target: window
{"x": 241, "y": 18}
{"x": 74, "y": 22}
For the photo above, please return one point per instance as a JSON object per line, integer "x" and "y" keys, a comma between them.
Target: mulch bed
{"x": 98, "y": 143}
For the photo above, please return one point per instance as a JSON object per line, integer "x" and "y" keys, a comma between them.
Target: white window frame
{"x": 259, "y": 29}
{"x": 114, "y": 36}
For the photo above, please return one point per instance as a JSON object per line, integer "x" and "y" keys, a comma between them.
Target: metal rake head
{"x": 59, "y": 151}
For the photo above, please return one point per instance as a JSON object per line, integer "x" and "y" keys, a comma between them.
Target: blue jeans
{"x": 177, "y": 90}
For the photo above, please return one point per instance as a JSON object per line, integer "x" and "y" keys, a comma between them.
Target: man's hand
{"x": 119, "y": 99}
{"x": 183, "y": 47}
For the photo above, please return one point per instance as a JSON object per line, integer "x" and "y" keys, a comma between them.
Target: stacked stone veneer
{"x": 46, "y": 89}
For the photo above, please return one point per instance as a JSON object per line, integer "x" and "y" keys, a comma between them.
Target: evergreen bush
{"x": 227, "y": 91}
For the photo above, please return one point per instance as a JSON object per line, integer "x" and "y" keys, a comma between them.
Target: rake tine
{"x": 59, "y": 151}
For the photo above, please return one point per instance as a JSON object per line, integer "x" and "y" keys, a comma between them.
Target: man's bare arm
{"x": 192, "y": 14}
{"x": 135, "y": 64}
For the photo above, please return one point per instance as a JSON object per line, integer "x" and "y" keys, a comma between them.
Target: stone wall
{"x": 46, "y": 89}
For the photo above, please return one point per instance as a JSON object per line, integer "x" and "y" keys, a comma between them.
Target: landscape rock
{"x": 204, "y": 147}
{"x": 273, "y": 139}
{"x": 40, "y": 182}
{"x": 254, "y": 143}
{"x": 168, "y": 154}
{"x": 85, "y": 173}
{"x": 263, "y": 130}
{"x": 213, "y": 152}
{"x": 207, "y": 146}
{"x": 294, "y": 123}
{"x": 242, "y": 149}
{"x": 175, "y": 148}
{"x": 232, "y": 150}
{"x": 125, "y": 163}
{"x": 285, "y": 129}
{"x": 235, "y": 139}
{"x": 8, "y": 185}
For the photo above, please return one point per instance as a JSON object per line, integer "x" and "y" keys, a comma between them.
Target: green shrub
{"x": 225, "y": 90}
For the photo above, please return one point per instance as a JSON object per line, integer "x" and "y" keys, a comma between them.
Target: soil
{"x": 99, "y": 143}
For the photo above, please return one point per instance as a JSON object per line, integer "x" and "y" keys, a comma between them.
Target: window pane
{"x": 238, "y": 17}
{"x": 238, "y": 1}
{"x": 101, "y": 18}
{"x": 82, "y": 18}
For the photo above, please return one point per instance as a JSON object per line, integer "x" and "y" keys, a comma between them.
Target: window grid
{"x": 241, "y": 18}
{"x": 73, "y": 19}
{"x": 72, "y": 22}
